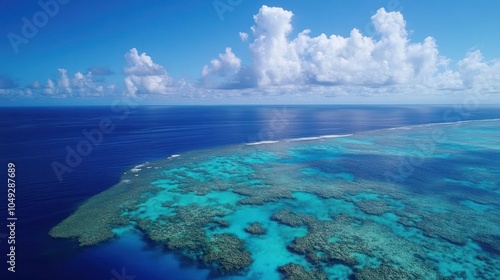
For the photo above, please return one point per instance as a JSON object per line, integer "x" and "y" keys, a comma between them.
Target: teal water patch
{"x": 260, "y": 157}
{"x": 309, "y": 171}
{"x": 154, "y": 207}
{"x": 476, "y": 206}
{"x": 322, "y": 209}
{"x": 268, "y": 250}
{"x": 364, "y": 196}
{"x": 305, "y": 153}
{"x": 459, "y": 182}
{"x": 464, "y": 263}
{"x": 365, "y": 261}
{"x": 166, "y": 184}
{"x": 123, "y": 230}
{"x": 339, "y": 271}
{"x": 351, "y": 140}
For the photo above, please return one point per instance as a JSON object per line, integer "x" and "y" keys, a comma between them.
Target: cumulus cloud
{"x": 77, "y": 85}
{"x": 243, "y": 36}
{"x": 275, "y": 59}
{"x": 50, "y": 87}
{"x": 228, "y": 64}
{"x": 391, "y": 60}
{"x": 476, "y": 73}
{"x": 63, "y": 84}
{"x": 144, "y": 76}
{"x": 353, "y": 60}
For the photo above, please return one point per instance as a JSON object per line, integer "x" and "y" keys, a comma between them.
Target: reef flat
{"x": 418, "y": 202}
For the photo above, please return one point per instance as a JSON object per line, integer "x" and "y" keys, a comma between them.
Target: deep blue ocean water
{"x": 34, "y": 138}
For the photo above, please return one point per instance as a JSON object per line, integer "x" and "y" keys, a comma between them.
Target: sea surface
{"x": 51, "y": 182}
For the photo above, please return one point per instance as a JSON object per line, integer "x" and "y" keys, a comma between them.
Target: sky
{"x": 71, "y": 52}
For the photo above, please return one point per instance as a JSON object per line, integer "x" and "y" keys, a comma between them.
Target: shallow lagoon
{"x": 417, "y": 202}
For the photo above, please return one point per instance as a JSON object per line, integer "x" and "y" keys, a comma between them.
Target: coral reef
{"x": 255, "y": 228}
{"x": 184, "y": 229}
{"x": 489, "y": 242}
{"x": 287, "y": 217}
{"x": 93, "y": 221}
{"x": 327, "y": 201}
{"x": 228, "y": 252}
{"x": 184, "y": 232}
{"x": 383, "y": 272}
{"x": 373, "y": 207}
{"x": 262, "y": 195}
{"x": 294, "y": 271}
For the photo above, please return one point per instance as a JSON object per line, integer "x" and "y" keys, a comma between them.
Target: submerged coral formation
{"x": 93, "y": 222}
{"x": 383, "y": 272}
{"x": 294, "y": 271}
{"x": 185, "y": 232}
{"x": 228, "y": 252}
{"x": 255, "y": 228}
{"x": 332, "y": 208}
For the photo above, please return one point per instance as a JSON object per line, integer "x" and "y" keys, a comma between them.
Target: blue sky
{"x": 175, "y": 40}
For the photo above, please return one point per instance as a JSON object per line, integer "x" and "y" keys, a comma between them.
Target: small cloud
{"x": 67, "y": 85}
{"x": 64, "y": 84}
{"x": 50, "y": 87}
{"x": 243, "y": 36}
{"x": 35, "y": 84}
{"x": 145, "y": 76}
{"x": 227, "y": 65}
{"x": 100, "y": 71}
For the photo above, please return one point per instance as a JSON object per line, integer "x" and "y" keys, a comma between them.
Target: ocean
{"x": 64, "y": 156}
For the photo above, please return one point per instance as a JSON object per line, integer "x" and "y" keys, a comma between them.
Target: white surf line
{"x": 261, "y": 142}
{"x": 336, "y": 136}
{"x": 173, "y": 156}
{"x": 139, "y": 167}
{"x": 318, "y": 137}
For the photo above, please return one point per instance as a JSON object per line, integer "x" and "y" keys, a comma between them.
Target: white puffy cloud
{"x": 144, "y": 76}
{"x": 50, "y": 87}
{"x": 78, "y": 85}
{"x": 228, "y": 64}
{"x": 64, "y": 84}
{"x": 85, "y": 85}
{"x": 355, "y": 60}
{"x": 243, "y": 36}
{"x": 387, "y": 61}
{"x": 478, "y": 74}
{"x": 275, "y": 59}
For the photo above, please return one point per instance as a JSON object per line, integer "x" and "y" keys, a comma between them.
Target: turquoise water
{"x": 398, "y": 203}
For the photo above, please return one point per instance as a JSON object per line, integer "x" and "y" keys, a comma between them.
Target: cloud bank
{"x": 77, "y": 85}
{"x": 283, "y": 64}
{"x": 356, "y": 61}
